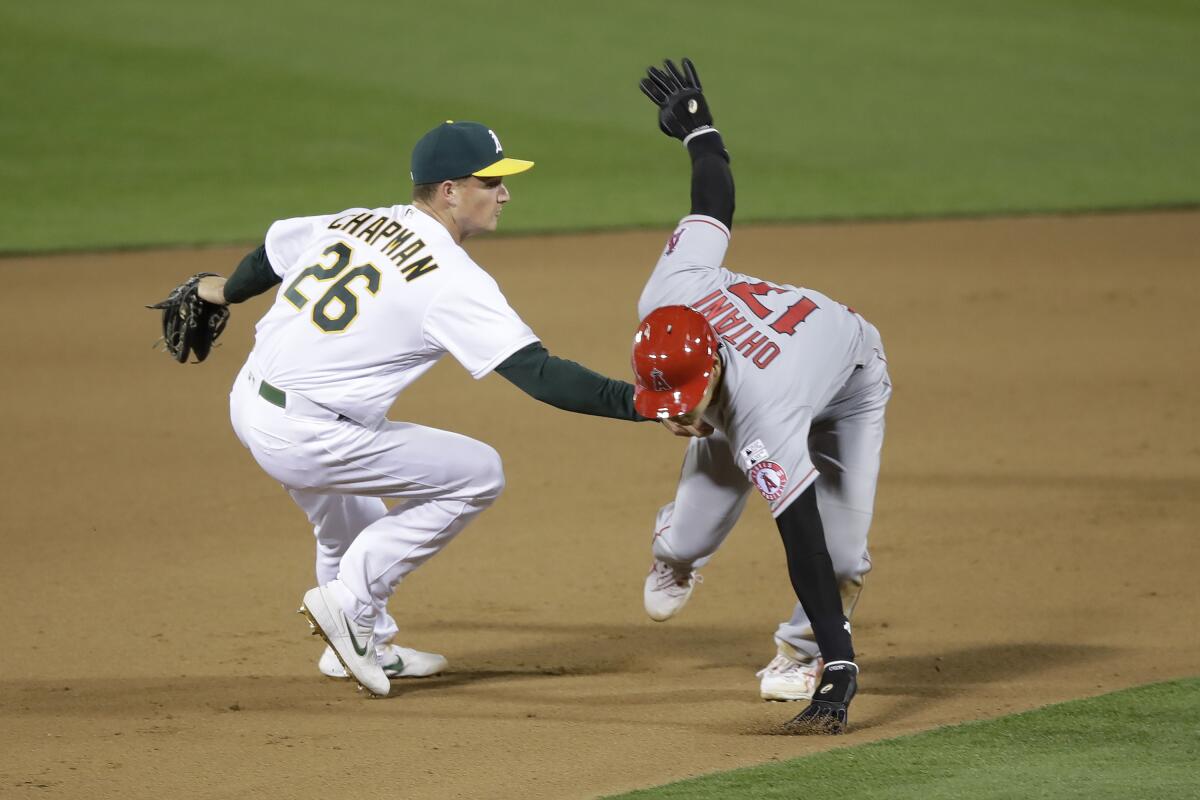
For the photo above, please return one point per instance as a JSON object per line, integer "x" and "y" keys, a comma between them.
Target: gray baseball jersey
{"x": 786, "y": 351}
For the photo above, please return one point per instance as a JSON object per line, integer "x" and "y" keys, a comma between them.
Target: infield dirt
{"x": 1035, "y": 536}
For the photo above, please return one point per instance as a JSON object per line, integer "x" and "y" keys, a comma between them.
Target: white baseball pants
{"x": 339, "y": 472}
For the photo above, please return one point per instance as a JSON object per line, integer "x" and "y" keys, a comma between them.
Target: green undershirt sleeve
{"x": 567, "y": 385}
{"x": 252, "y": 277}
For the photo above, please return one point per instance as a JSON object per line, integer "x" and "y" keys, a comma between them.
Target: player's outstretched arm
{"x": 567, "y": 385}
{"x": 684, "y": 114}
{"x": 815, "y": 583}
{"x": 252, "y": 277}
{"x": 810, "y": 569}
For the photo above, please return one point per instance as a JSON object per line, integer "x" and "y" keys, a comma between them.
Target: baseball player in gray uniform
{"x": 786, "y": 388}
{"x": 368, "y": 300}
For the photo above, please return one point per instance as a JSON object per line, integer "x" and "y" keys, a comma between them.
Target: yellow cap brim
{"x": 505, "y": 166}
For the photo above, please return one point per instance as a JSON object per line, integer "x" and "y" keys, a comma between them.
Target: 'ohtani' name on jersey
{"x": 373, "y": 228}
{"x": 736, "y": 330}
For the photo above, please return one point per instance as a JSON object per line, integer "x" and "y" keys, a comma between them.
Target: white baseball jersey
{"x": 786, "y": 351}
{"x": 370, "y": 300}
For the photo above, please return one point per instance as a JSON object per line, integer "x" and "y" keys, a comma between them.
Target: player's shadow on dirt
{"x": 943, "y": 673}
{"x": 566, "y": 649}
{"x": 911, "y": 682}
{"x": 916, "y": 681}
{"x": 542, "y": 656}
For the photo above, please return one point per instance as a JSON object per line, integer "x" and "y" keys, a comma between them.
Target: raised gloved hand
{"x": 682, "y": 109}
{"x": 190, "y": 324}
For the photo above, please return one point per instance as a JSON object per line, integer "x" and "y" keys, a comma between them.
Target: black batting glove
{"x": 827, "y": 713}
{"x": 682, "y": 109}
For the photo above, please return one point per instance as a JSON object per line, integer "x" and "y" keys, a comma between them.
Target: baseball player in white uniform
{"x": 790, "y": 387}
{"x": 370, "y": 299}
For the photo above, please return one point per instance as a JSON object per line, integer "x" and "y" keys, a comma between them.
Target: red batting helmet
{"x": 674, "y": 350}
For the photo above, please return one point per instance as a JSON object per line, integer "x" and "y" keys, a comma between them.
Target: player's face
{"x": 692, "y": 418}
{"x": 480, "y": 203}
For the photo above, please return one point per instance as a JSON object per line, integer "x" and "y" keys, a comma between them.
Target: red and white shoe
{"x": 790, "y": 676}
{"x": 667, "y": 590}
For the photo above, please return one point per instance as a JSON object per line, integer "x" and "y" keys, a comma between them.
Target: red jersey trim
{"x": 707, "y": 221}
{"x": 786, "y": 500}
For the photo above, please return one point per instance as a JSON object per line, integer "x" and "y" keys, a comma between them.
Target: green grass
{"x": 139, "y": 122}
{"x": 1142, "y": 742}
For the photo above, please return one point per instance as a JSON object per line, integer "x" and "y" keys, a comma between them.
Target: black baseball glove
{"x": 190, "y": 325}
{"x": 682, "y": 108}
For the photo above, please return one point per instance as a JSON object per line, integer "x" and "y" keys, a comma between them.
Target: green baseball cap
{"x": 457, "y": 149}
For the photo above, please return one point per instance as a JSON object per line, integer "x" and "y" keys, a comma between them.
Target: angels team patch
{"x": 770, "y": 479}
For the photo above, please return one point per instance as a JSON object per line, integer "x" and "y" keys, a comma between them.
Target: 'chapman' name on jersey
{"x": 373, "y": 228}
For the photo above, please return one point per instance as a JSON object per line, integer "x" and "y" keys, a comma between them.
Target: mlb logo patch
{"x": 753, "y": 453}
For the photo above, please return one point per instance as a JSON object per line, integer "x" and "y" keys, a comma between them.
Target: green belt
{"x": 275, "y": 397}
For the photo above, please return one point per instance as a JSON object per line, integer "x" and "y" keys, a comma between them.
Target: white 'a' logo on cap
{"x": 659, "y": 380}
{"x": 495, "y": 139}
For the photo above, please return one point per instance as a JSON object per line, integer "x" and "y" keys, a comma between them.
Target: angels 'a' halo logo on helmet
{"x": 674, "y": 350}
{"x": 659, "y": 380}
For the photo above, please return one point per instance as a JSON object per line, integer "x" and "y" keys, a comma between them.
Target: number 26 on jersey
{"x": 338, "y": 306}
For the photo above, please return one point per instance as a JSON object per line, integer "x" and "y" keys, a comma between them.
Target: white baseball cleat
{"x": 397, "y": 662}
{"x": 790, "y": 676}
{"x": 667, "y": 590}
{"x": 353, "y": 644}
